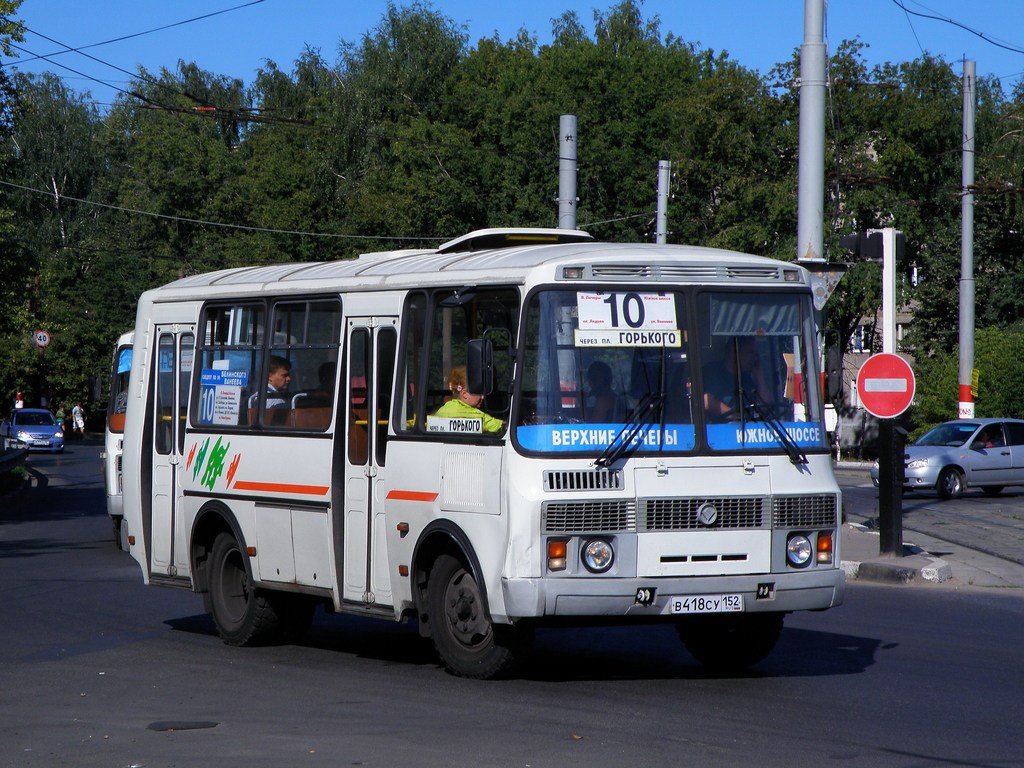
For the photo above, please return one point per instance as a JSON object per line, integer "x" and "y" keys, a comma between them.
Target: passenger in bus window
{"x": 464, "y": 404}
{"x": 603, "y": 405}
{"x": 740, "y": 368}
{"x": 324, "y": 392}
{"x": 279, "y": 377}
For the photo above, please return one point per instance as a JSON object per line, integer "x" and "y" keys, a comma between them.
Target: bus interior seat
{"x": 309, "y": 417}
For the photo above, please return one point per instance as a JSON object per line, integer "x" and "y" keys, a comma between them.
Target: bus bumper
{"x": 652, "y": 597}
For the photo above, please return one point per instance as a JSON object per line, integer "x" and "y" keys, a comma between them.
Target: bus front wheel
{"x": 730, "y": 642}
{"x": 466, "y": 639}
{"x": 243, "y": 614}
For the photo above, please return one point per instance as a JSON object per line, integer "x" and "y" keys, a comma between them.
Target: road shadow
{"x": 652, "y": 652}
{"x": 380, "y": 640}
{"x": 657, "y": 653}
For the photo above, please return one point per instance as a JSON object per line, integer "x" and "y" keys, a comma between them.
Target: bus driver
{"x": 464, "y": 404}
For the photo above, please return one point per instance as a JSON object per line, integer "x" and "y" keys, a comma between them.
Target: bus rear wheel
{"x": 730, "y": 642}
{"x": 243, "y": 614}
{"x": 466, "y": 639}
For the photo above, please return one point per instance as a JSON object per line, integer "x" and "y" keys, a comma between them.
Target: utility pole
{"x": 567, "y": 172}
{"x": 966, "y": 408}
{"x": 889, "y": 258}
{"x": 811, "y": 171}
{"x": 664, "y": 177}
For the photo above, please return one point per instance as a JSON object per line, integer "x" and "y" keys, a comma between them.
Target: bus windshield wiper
{"x": 764, "y": 413}
{"x": 625, "y": 442}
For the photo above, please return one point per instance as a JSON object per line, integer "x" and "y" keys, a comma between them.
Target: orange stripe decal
{"x": 411, "y": 495}
{"x": 306, "y": 490}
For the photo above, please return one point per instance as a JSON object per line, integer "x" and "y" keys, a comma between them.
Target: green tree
{"x": 179, "y": 136}
{"x": 55, "y": 133}
{"x": 397, "y": 173}
{"x": 12, "y": 320}
{"x": 997, "y": 357}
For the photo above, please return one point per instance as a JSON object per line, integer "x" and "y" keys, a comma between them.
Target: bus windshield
{"x": 669, "y": 372}
{"x": 119, "y": 388}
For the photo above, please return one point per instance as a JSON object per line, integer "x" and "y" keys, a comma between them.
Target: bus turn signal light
{"x": 824, "y": 548}
{"x": 557, "y": 549}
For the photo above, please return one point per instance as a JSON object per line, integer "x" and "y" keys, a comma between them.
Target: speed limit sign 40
{"x": 41, "y": 338}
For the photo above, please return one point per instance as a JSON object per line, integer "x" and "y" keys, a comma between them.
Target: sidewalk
{"x": 926, "y": 561}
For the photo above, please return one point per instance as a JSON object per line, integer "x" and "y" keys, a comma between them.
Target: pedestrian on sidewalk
{"x": 78, "y": 419}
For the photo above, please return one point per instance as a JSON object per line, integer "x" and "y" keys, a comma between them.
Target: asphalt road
{"x": 98, "y": 670}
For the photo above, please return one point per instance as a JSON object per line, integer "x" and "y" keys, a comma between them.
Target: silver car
{"x": 985, "y": 453}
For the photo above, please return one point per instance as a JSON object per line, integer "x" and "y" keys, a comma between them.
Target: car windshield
{"x": 34, "y": 420}
{"x": 950, "y": 434}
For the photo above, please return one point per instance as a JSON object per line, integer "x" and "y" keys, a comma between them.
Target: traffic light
{"x": 868, "y": 246}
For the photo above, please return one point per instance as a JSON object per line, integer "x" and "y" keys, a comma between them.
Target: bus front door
{"x": 172, "y": 371}
{"x": 367, "y": 386}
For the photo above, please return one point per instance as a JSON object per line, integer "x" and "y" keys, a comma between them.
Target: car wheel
{"x": 950, "y": 484}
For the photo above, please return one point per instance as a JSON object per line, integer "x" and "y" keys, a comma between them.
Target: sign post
{"x": 886, "y": 385}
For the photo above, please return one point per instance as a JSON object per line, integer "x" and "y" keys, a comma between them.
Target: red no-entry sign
{"x": 885, "y": 385}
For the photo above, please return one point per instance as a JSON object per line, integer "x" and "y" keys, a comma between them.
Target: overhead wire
{"x": 81, "y": 48}
{"x": 134, "y": 75}
{"x": 218, "y": 224}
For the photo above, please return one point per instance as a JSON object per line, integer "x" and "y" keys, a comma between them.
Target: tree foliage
{"x": 413, "y": 136}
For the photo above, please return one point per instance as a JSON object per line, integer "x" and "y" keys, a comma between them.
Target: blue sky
{"x": 756, "y": 33}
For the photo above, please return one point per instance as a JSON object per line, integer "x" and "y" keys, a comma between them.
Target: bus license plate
{"x": 704, "y": 604}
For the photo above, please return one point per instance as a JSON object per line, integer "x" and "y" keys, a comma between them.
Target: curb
{"x": 935, "y": 570}
{"x": 915, "y": 564}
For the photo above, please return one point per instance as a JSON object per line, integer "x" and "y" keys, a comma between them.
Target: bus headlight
{"x": 597, "y": 555}
{"x": 798, "y": 550}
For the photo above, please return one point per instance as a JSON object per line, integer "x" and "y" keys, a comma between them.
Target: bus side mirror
{"x": 480, "y": 366}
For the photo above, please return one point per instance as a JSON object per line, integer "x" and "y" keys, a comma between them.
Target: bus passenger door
{"x": 168, "y": 410}
{"x": 366, "y": 389}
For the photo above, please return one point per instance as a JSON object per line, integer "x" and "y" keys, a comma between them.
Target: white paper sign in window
{"x": 626, "y": 319}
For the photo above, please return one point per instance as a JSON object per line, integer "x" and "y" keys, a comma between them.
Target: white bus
{"x": 650, "y": 444}
{"x": 113, "y": 434}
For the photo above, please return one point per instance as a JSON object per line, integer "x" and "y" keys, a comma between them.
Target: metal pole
{"x": 888, "y": 290}
{"x": 664, "y": 176}
{"x": 567, "y": 172}
{"x": 811, "y": 173}
{"x": 966, "y": 409}
{"x": 890, "y": 487}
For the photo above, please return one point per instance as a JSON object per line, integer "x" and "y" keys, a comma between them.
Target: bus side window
{"x": 387, "y": 350}
{"x": 358, "y": 433}
{"x": 359, "y": 367}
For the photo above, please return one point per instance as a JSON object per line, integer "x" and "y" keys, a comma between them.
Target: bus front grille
{"x": 588, "y": 516}
{"x": 583, "y": 480}
{"x": 682, "y": 514}
{"x": 817, "y": 511}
